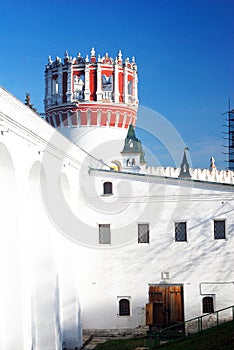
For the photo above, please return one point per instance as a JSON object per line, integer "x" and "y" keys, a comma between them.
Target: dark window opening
{"x": 107, "y": 188}
{"x": 219, "y": 229}
{"x": 180, "y": 231}
{"x": 104, "y": 234}
{"x": 207, "y": 305}
{"x": 143, "y": 233}
{"x": 124, "y": 307}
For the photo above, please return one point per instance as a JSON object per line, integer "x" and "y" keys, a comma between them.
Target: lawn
{"x": 221, "y": 338}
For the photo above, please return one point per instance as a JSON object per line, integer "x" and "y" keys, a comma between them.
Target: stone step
{"x": 94, "y": 342}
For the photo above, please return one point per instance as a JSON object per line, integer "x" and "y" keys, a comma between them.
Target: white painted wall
{"x": 54, "y": 272}
{"x": 125, "y": 268}
{"x": 39, "y": 309}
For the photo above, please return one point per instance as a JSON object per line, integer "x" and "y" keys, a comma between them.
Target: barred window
{"x": 180, "y": 231}
{"x": 124, "y": 307}
{"x": 219, "y": 229}
{"x": 104, "y": 234}
{"x": 143, "y": 233}
{"x": 107, "y": 188}
{"x": 207, "y": 305}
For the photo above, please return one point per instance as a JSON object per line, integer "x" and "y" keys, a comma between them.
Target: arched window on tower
{"x": 107, "y": 188}
{"x": 124, "y": 307}
{"x": 207, "y": 305}
{"x": 130, "y": 87}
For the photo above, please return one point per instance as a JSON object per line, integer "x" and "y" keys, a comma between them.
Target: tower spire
{"x": 184, "y": 168}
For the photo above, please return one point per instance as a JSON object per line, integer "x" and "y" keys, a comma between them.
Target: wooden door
{"x": 149, "y": 314}
{"x": 165, "y": 305}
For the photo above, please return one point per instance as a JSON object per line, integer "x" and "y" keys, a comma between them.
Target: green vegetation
{"x": 122, "y": 344}
{"x": 221, "y": 338}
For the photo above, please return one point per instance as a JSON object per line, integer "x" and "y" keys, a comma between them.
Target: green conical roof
{"x": 131, "y": 133}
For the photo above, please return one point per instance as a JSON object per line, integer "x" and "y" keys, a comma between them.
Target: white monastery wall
{"x": 40, "y": 305}
{"x": 54, "y": 270}
{"x": 126, "y": 267}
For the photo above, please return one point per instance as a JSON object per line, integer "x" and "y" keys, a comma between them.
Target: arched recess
{"x": 11, "y": 318}
{"x": 99, "y": 117}
{"x": 117, "y": 119}
{"x": 64, "y": 186}
{"x": 54, "y": 120}
{"x": 108, "y": 118}
{"x": 78, "y": 118}
{"x": 89, "y": 117}
{"x": 37, "y": 183}
{"x": 60, "y": 119}
{"x": 43, "y": 270}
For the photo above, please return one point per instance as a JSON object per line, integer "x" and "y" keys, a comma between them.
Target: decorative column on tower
{"x": 125, "y": 94}
{"x": 60, "y": 84}
{"x": 69, "y": 78}
{"x": 135, "y": 81}
{"x": 48, "y": 82}
{"x": 99, "y": 80}
{"x": 116, "y": 84}
{"x": 87, "y": 78}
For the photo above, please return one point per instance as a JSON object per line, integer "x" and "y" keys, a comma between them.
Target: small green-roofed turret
{"x": 133, "y": 144}
{"x": 133, "y": 154}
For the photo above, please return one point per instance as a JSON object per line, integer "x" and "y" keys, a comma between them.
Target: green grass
{"x": 122, "y": 344}
{"x": 221, "y": 338}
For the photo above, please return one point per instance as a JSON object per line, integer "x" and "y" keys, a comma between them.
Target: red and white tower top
{"x": 91, "y": 92}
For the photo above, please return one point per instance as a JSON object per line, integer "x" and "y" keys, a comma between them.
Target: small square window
{"x": 104, "y": 234}
{"x": 219, "y": 229}
{"x": 180, "y": 232}
{"x": 143, "y": 233}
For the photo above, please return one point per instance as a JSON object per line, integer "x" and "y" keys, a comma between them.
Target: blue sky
{"x": 183, "y": 49}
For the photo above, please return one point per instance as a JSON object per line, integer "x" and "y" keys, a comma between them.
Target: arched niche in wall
{"x": 99, "y": 117}
{"x": 8, "y": 187}
{"x": 37, "y": 182}
{"x": 60, "y": 119}
{"x": 10, "y": 250}
{"x": 64, "y": 187}
{"x": 68, "y": 121}
{"x": 43, "y": 306}
{"x": 89, "y": 117}
{"x": 117, "y": 119}
{"x": 108, "y": 118}
{"x": 125, "y": 119}
{"x": 54, "y": 120}
{"x": 79, "y": 118}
